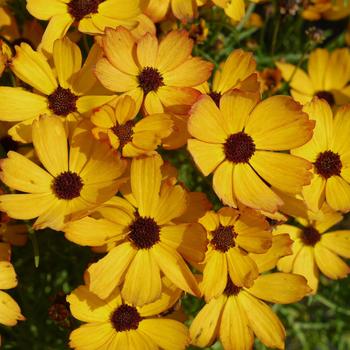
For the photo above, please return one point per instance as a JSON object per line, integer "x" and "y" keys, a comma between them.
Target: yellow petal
{"x": 338, "y": 242}
{"x": 108, "y": 272}
{"x": 235, "y": 332}
{"x": 92, "y": 336}
{"x": 235, "y": 10}
{"x": 205, "y": 122}
{"x": 118, "y": 45}
{"x": 25, "y": 206}
{"x": 204, "y": 328}
{"x": 263, "y": 322}
{"x": 125, "y": 109}
{"x": 67, "y": 59}
{"x": 41, "y": 10}
{"x": 252, "y": 191}
{"x": 238, "y": 66}
{"x": 285, "y": 172}
{"x": 19, "y": 173}
{"x": 223, "y": 183}
{"x": 87, "y": 307}
{"x": 50, "y": 143}
{"x": 88, "y": 103}
{"x": 338, "y": 193}
{"x": 147, "y": 50}
{"x": 167, "y": 334}
{"x": 300, "y": 80}
{"x": 341, "y": 143}
{"x": 236, "y": 107}
{"x": 10, "y": 312}
{"x": 207, "y": 156}
{"x": 32, "y": 67}
{"x": 17, "y": 104}
{"x": 214, "y": 275}
{"x": 143, "y": 271}
{"x": 153, "y": 104}
{"x": 145, "y": 183}
{"x": 305, "y": 265}
{"x": 314, "y": 194}
{"x": 338, "y": 69}
{"x": 8, "y": 278}
{"x": 271, "y": 131}
{"x": 114, "y": 79}
{"x": 174, "y": 49}
{"x": 57, "y": 28}
{"x": 317, "y": 67}
{"x": 93, "y": 232}
{"x": 172, "y": 203}
{"x": 242, "y": 269}
{"x": 281, "y": 246}
{"x": 190, "y": 240}
{"x": 329, "y": 263}
{"x": 174, "y": 267}
{"x": 280, "y": 288}
{"x": 192, "y": 72}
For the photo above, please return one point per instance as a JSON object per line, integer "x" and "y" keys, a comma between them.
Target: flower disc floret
{"x": 67, "y": 185}
{"x": 80, "y": 9}
{"x": 62, "y": 101}
{"x": 144, "y": 233}
{"x": 239, "y": 147}
{"x": 125, "y": 318}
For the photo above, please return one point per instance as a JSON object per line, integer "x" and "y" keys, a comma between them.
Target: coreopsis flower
{"x": 328, "y": 150}
{"x": 132, "y": 138}
{"x": 239, "y": 314}
{"x": 147, "y": 240}
{"x": 92, "y": 16}
{"x": 317, "y": 247}
{"x": 235, "y": 9}
{"x": 237, "y": 72}
{"x": 73, "y": 180}
{"x": 271, "y": 79}
{"x": 160, "y": 75}
{"x": 238, "y": 143}
{"x": 231, "y": 235}
{"x": 67, "y": 96}
{"x": 327, "y": 77}
{"x": 115, "y": 324}
{"x": 10, "y": 312}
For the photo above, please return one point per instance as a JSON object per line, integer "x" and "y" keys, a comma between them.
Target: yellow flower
{"x": 92, "y": 16}
{"x": 315, "y": 10}
{"x": 240, "y": 313}
{"x": 148, "y": 242}
{"x": 316, "y": 247}
{"x": 232, "y": 234}
{"x": 159, "y": 75}
{"x": 68, "y": 96}
{"x": 238, "y": 143}
{"x": 76, "y": 179}
{"x": 327, "y": 77}
{"x": 328, "y": 150}
{"x": 114, "y": 324}
{"x": 270, "y": 80}
{"x": 237, "y": 72}
{"x": 10, "y": 312}
{"x": 120, "y": 129}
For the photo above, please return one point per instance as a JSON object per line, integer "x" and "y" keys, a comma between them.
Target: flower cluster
{"x": 100, "y": 102}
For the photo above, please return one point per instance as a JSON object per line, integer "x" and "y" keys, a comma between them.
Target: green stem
{"x": 34, "y": 240}
{"x": 246, "y": 17}
{"x": 331, "y": 305}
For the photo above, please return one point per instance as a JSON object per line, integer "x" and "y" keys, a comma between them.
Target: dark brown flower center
{"x": 144, "y": 232}
{"x": 326, "y": 95}
{"x": 310, "y": 236}
{"x": 62, "y": 101}
{"x": 328, "y": 164}
{"x": 216, "y": 96}
{"x": 150, "y": 79}
{"x": 239, "y": 147}
{"x": 82, "y": 8}
{"x": 231, "y": 289}
{"x": 223, "y": 238}
{"x": 67, "y": 185}
{"x": 125, "y": 318}
{"x": 124, "y": 132}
